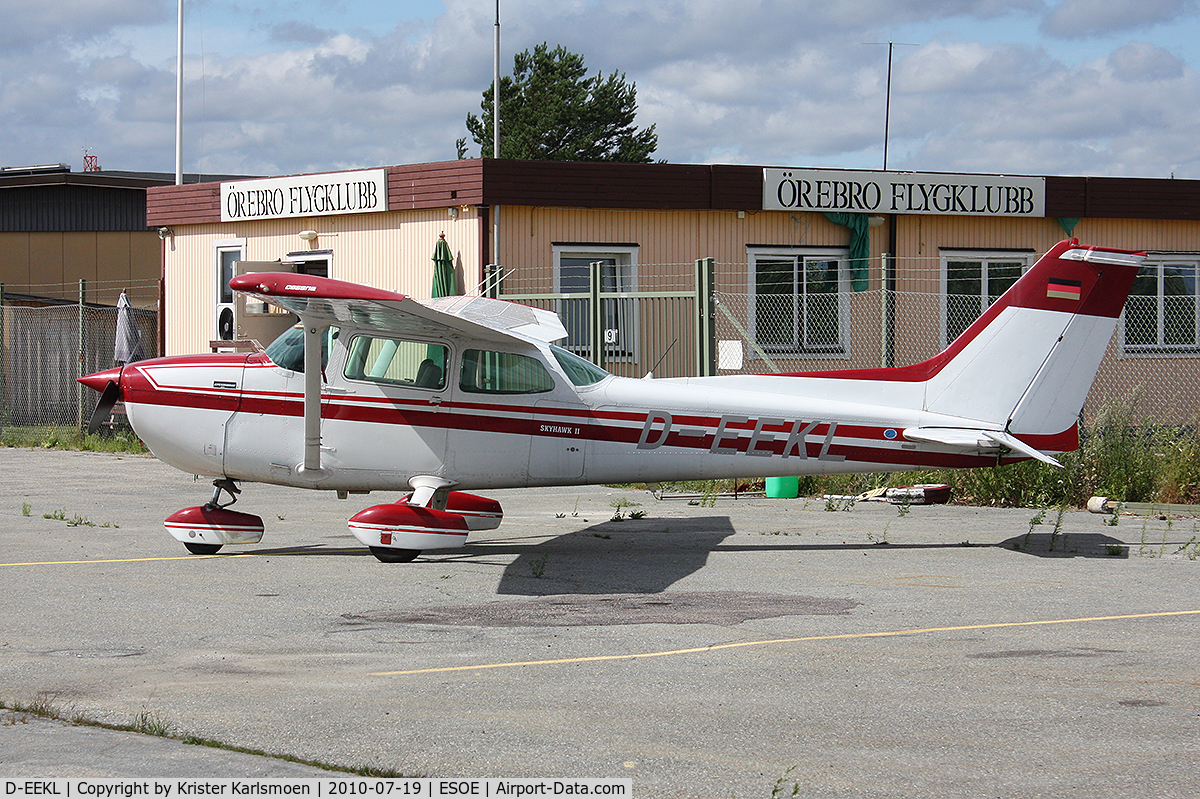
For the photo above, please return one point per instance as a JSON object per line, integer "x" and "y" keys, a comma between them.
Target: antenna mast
{"x": 179, "y": 101}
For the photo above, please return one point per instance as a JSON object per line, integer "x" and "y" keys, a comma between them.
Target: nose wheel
{"x": 205, "y": 529}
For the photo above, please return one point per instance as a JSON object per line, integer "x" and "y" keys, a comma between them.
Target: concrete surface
{"x": 701, "y": 651}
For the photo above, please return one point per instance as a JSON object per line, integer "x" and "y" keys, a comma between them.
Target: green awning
{"x": 444, "y": 284}
{"x": 860, "y": 246}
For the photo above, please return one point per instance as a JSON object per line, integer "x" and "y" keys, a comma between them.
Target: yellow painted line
{"x": 130, "y": 560}
{"x": 775, "y": 641}
{"x": 277, "y": 552}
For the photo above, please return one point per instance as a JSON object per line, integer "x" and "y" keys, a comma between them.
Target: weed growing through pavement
{"x": 781, "y": 786}
{"x": 60, "y": 515}
{"x": 1057, "y": 531}
{"x": 150, "y": 724}
{"x": 26, "y": 508}
{"x": 1038, "y": 518}
{"x": 537, "y": 566}
{"x": 147, "y": 723}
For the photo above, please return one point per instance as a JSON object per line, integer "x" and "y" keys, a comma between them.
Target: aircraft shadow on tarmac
{"x": 1067, "y": 545}
{"x": 638, "y": 556}
{"x": 648, "y": 556}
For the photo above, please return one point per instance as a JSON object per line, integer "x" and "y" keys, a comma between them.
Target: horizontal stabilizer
{"x": 976, "y": 439}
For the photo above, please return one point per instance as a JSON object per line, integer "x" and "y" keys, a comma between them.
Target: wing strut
{"x": 312, "y": 402}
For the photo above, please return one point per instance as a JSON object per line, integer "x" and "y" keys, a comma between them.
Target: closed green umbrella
{"x": 444, "y": 284}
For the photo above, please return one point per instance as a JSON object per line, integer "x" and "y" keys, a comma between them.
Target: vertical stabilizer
{"x": 1028, "y": 362}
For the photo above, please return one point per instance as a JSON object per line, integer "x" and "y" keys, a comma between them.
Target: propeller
{"x": 108, "y": 383}
{"x": 108, "y": 398}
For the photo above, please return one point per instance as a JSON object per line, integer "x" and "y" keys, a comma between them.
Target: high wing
{"x": 320, "y": 301}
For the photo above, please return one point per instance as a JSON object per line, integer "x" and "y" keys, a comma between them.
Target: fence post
{"x": 491, "y": 281}
{"x": 706, "y": 329}
{"x": 595, "y": 313}
{"x": 79, "y": 386}
{"x": 3, "y": 365}
{"x": 887, "y": 316}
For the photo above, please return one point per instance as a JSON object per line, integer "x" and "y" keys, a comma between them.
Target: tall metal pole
{"x": 496, "y": 86}
{"x": 179, "y": 101}
{"x": 496, "y": 130}
{"x": 887, "y": 109}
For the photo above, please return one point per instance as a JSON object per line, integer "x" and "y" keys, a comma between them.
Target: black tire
{"x": 389, "y": 555}
{"x": 202, "y": 549}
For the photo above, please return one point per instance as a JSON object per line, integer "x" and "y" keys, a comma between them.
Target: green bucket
{"x": 783, "y": 487}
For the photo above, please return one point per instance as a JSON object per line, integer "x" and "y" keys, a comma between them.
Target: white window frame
{"x": 625, "y": 262}
{"x": 801, "y": 256}
{"x": 309, "y": 256}
{"x": 986, "y": 258}
{"x": 220, "y": 247}
{"x": 1159, "y": 262}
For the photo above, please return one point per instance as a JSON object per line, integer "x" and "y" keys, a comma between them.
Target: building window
{"x": 311, "y": 262}
{"x": 799, "y": 302}
{"x": 1160, "y": 316}
{"x": 618, "y": 315}
{"x": 225, "y": 254}
{"x": 971, "y": 282}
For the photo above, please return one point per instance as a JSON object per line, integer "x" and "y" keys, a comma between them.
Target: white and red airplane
{"x": 376, "y": 391}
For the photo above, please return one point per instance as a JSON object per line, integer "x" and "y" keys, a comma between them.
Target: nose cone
{"x": 99, "y": 380}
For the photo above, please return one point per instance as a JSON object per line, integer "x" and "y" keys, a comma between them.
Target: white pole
{"x": 496, "y": 87}
{"x": 179, "y": 101}
{"x": 496, "y": 131}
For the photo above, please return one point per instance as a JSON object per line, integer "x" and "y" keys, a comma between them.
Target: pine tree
{"x": 550, "y": 110}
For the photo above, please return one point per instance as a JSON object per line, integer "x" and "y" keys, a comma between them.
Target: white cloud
{"x": 1079, "y": 18}
{"x": 309, "y": 85}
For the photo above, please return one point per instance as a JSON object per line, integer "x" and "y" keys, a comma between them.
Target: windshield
{"x": 287, "y": 351}
{"x": 579, "y": 372}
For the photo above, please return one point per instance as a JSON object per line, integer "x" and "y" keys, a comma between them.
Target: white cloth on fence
{"x": 128, "y": 345}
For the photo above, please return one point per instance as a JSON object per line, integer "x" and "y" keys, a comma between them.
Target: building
{"x": 806, "y": 269}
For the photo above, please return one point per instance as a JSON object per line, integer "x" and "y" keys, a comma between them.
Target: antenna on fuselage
{"x": 666, "y": 352}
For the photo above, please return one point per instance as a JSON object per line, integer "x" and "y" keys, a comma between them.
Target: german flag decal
{"x": 1063, "y": 289}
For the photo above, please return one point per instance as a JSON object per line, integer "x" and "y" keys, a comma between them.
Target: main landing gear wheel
{"x": 202, "y": 549}
{"x": 389, "y": 555}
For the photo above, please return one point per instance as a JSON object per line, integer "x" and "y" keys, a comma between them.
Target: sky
{"x": 1066, "y": 87}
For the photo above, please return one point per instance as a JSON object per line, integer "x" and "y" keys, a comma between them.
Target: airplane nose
{"x": 99, "y": 380}
{"x": 108, "y": 383}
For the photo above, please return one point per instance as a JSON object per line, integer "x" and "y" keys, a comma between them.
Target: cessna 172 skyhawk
{"x": 376, "y": 391}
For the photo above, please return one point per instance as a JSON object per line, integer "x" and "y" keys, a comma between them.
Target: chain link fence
{"x": 775, "y": 314}
{"x": 49, "y": 343}
{"x": 795, "y": 317}
{"x": 796, "y": 313}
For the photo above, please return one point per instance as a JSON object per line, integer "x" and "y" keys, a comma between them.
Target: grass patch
{"x": 147, "y": 723}
{"x": 56, "y": 437}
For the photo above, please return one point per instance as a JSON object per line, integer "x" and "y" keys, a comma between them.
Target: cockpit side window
{"x": 377, "y": 359}
{"x": 487, "y": 372}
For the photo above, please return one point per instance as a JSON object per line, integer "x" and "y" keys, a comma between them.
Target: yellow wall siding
{"x": 663, "y": 237}
{"x": 390, "y": 251}
{"x": 393, "y": 251}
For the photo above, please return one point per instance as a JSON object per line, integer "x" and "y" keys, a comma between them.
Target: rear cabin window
{"x": 397, "y": 362}
{"x": 485, "y": 372}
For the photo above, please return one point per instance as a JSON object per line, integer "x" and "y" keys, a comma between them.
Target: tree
{"x": 550, "y": 110}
